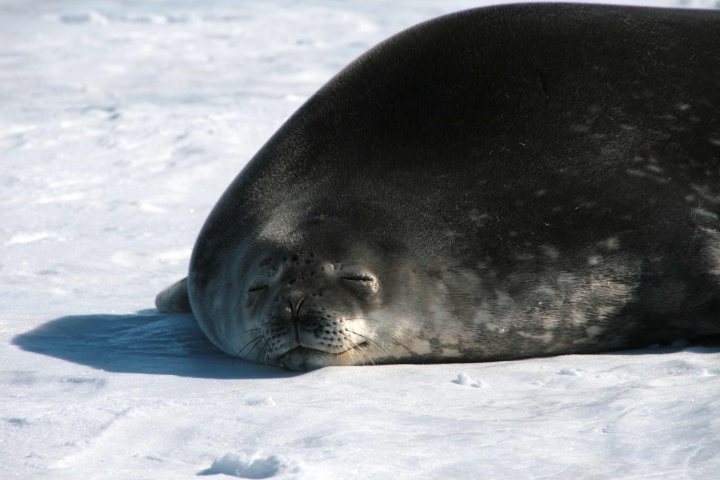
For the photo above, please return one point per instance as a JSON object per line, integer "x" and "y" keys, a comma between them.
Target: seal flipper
{"x": 174, "y": 299}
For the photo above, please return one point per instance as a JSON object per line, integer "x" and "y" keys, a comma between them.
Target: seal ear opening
{"x": 174, "y": 299}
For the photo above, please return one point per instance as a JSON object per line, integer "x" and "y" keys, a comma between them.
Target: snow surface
{"x": 120, "y": 125}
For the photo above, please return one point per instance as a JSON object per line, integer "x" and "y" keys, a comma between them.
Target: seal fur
{"x": 500, "y": 183}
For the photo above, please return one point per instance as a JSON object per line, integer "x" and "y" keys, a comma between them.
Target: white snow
{"x": 121, "y": 122}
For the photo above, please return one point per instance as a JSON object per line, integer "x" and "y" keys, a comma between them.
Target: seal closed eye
{"x": 501, "y": 183}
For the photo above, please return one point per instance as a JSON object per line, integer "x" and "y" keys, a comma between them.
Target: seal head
{"x": 310, "y": 291}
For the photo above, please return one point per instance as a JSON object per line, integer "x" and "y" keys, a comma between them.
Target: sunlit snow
{"x": 121, "y": 123}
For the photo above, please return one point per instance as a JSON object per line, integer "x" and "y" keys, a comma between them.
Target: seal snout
{"x": 313, "y": 326}
{"x": 321, "y": 328}
{"x": 309, "y": 309}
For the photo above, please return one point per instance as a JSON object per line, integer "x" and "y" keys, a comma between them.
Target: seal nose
{"x": 298, "y": 305}
{"x": 295, "y": 298}
{"x": 293, "y": 306}
{"x": 295, "y": 316}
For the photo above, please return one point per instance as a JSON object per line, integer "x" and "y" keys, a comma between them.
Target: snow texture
{"x": 120, "y": 125}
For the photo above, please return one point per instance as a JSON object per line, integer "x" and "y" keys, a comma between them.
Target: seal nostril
{"x": 299, "y": 304}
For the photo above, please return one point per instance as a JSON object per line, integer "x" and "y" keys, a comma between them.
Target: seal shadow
{"x": 708, "y": 344}
{"x": 146, "y": 342}
{"x": 172, "y": 344}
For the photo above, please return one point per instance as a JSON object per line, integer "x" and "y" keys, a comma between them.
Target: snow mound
{"x": 465, "y": 379}
{"x": 252, "y": 465}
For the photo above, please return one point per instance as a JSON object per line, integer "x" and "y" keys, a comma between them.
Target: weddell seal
{"x": 500, "y": 183}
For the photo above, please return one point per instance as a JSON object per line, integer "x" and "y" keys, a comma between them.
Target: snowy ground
{"x": 120, "y": 125}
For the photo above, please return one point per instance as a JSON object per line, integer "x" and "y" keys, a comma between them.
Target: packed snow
{"x": 121, "y": 123}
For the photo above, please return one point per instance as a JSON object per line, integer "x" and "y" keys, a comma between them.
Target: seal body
{"x": 499, "y": 183}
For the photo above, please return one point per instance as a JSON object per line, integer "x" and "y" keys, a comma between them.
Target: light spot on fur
{"x": 594, "y": 259}
{"x": 611, "y": 243}
{"x": 545, "y": 290}
{"x": 550, "y": 322}
{"x": 495, "y": 328}
{"x": 447, "y": 336}
{"x": 704, "y": 213}
{"x": 546, "y": 337}
{"x": 713, "y": 253}
{"x": 420, "y": 347}
{"x": 567, "y": 279}
{"x": 479, "y": 219}
{"x": 636, "y": 173}
{"x": 578, "y": 317}
{"x": 594, "y": 331}
{"x": 587, "y": 203}
{"x": 550, "y": 251}
{"x": 706, "y": 193}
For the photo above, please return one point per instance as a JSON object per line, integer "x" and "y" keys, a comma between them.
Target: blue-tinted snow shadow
{"x": 173, "y": 344}
{"x": 146, "y": 342}
{"x": 710, "y": 344}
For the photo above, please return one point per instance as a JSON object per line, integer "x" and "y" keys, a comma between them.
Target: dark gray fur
{"x": 500, "y": 183}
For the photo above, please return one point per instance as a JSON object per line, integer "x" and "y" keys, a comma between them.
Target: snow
{"x": 252, "y": 465}
{"x": 120, "y": 125}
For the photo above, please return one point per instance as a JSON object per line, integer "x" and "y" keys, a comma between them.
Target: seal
{"x": 500, "y": 183}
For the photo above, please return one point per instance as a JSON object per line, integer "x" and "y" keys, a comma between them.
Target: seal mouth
{"x": 315, "y": 351}
{"x": 303, "y": 358}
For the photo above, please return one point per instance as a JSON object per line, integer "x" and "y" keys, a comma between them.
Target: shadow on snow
{"x": 146, "y": 342}
{"x": 173, "y": 344}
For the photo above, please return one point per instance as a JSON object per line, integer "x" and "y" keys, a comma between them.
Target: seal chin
{"x": 302, "y": 359}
